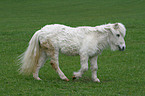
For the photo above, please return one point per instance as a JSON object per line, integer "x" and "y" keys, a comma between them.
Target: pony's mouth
{"x": 121, "y": 48}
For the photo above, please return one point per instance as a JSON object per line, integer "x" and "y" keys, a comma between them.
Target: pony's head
{"x": 117, "y": 33}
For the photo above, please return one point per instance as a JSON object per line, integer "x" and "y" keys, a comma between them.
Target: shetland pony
{"x": 88, "y": 42}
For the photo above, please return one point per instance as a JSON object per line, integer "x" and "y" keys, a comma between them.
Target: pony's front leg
{"x": 84, "y": 66}
{"x": 94, "y": 68}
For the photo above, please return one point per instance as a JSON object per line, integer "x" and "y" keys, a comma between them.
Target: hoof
{"x": 38, "y": 78}
{"x": 74, "y": 78}
{"x": 66, "y": 79}
{"x": 97, "y": 80}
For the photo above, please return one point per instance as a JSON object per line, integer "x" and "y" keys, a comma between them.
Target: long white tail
{"x": 29, "y": 59}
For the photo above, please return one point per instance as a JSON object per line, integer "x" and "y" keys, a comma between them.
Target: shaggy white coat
{"x": 85, "y": 41}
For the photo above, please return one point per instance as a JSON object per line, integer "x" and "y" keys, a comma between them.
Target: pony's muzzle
{"x": 121, "y": 48}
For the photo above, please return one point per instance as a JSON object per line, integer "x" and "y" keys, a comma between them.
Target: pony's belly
{"x": 69, "y": 50}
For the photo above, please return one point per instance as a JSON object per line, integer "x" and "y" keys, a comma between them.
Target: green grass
{"x": 121, "y": 73}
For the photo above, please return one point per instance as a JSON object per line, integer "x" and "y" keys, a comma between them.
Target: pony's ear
{"x": 116, "y": 26}
{"x": 109, "y": 29}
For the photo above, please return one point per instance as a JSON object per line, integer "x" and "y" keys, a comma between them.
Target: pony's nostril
{"x": 123, "y": 48}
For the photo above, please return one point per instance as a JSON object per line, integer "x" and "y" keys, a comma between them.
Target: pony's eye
{"x": 118, "y": 35}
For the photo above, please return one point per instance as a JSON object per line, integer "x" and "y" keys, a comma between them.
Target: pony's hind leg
{"x": 53, "y": 54}
{"x": 55, "y": 65}
{"x": 41, "y": 61}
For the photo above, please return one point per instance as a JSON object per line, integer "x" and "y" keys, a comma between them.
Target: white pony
{"x": 88, "y": 42}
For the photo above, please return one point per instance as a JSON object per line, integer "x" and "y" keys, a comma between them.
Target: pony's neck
{"x": 103, "y": 43}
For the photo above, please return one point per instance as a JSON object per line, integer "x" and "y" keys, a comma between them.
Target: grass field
{"x": 121, "y": 73}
